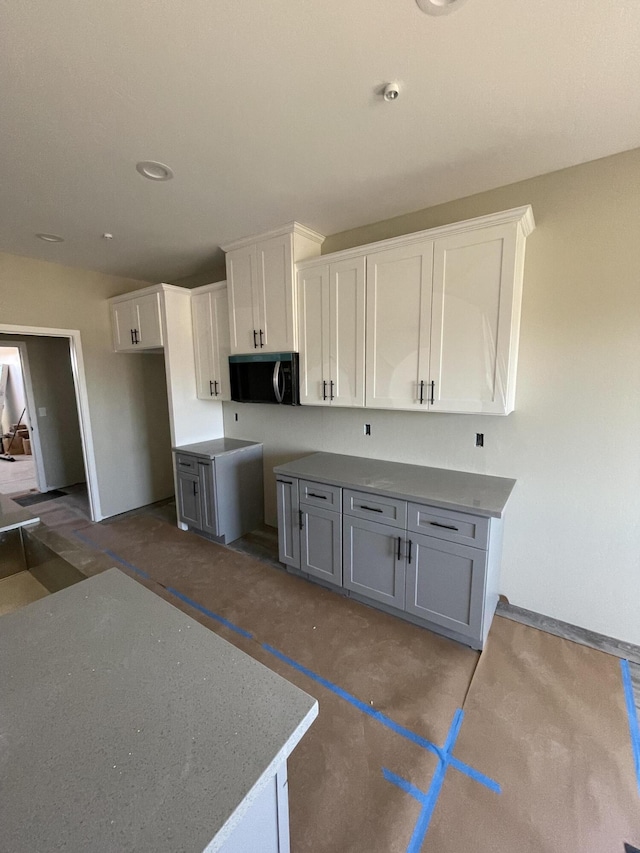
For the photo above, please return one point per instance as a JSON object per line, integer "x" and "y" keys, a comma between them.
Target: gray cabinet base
{"x": 490, "y": 609}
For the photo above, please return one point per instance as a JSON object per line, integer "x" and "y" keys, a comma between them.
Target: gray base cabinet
{"x": 219, "y": 487}
{"x": 432, "y": 565}
{"x": 445, "y": 584}
{"x": 374, "y": 561}
{"x": 310, "y": 529}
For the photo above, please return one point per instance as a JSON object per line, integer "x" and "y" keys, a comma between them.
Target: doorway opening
{"x": 45, "y": 413}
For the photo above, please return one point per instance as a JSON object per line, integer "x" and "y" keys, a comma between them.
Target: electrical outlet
{"x": 479, "y": 439}
{"x": 367, "y": 429}
{"x": 42, "y": 412}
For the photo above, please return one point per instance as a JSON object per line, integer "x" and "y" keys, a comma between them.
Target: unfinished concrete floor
{"x": 418, "y": 747}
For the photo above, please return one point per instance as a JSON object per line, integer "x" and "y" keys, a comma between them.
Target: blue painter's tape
{"x": 357, "y": 703}
{"x": 209, "y": 613}
{"x": 474, "y": 774}
{"x": 454, "y": 731}
{"x": 112, "y": 556}
{"x": 422, "y": 824}
{"x": 632, "y": 714}
{"x": 404, "y": 785}
{"x": 366, "y": 709}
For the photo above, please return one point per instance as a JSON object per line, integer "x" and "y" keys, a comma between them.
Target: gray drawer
{"x": 447, "y": 524}
{"x": 319, "y": 494}
{"x": 375, "y": 508}
{"x": 187, "y": 463}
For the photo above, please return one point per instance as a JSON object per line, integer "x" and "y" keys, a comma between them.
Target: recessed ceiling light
{"x": 154, "y": 171}
{"x": 50, "y": 238}
{"x": 439, "y": 7}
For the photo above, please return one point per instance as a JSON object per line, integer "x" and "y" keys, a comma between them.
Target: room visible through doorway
{"x": 41, "y": 434}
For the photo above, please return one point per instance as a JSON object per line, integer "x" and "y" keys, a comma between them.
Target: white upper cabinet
{"x": 136, "y": 322}
{"x": 399, "y": 283}
{"x": 331, "y": 315}
{"x": 474, "y": 324}
{"x": 210, "y": 315}
{"x": 443, "y": 316}
{"x": 261, "y": 283}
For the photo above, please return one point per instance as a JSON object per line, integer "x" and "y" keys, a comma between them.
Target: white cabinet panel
{"x": 313, "y": 335}
{"x": 273, "y": 295}
{"x": 211, "y": 342}
{"x": 123, "y": 324}
{"x": 241, "y": 273}
{"x": 398, "y": 326}
{"x": 347, "y": 332}
{"x": 470, "y": 335}
{"x": 331, "y": 324}
{"x": 148, "y": 324}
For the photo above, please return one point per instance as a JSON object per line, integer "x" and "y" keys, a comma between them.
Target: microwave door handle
{"x": 276, "y": 382}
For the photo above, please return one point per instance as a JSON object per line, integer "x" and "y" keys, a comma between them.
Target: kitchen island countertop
{"x": 129, "y": 726}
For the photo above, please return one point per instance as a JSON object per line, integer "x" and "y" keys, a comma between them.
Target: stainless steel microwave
{"x": 265, "y": 378}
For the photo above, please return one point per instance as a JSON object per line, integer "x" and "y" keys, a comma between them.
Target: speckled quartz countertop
{"x": 128, "y": 726}
{"x": 12, "y": 515}
{"x": 459, "y": 490}
{"x": 216, "y": 447}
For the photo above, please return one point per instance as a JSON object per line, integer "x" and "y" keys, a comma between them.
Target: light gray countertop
{"x": 12, "y": 515}
{"x": 216, "y": 447}
{"x": 128, "y": 726}
{"x": 459, "y": 490}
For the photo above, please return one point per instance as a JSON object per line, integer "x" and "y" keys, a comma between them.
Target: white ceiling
{"x": 268, "y": 112}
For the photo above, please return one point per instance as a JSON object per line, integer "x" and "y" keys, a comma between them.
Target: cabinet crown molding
{"x": 522, "y": 216}
{"x": 144, "y": 291}
{"x": 208, "y": 288}
{"x": 289, "y": 228}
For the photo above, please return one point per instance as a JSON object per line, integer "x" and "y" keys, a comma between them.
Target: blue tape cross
{"x": 632, "y": 714}
{"x": 429, "y": 798}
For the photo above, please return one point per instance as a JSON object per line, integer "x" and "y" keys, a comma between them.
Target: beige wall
{"x": 127, "y": 393}
{"x": 572, "y": 529}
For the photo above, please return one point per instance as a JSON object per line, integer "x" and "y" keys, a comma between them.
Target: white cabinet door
{"x": 220, "y": 343}
{"x": 274, "y": 295}
{"x": 331, "y": 323}
{"x": 148, "y": 323}
{"x": 346, "y": 332}
{"x": 123, "y": 323}
{"x": 211, "y": 344}
{"x": 241, "y": 275}
{"x": 473, "y": 289}
{"x": 398, "y": 327}
{"x": 203, "y": 344}
{"x": 313, "y": 335}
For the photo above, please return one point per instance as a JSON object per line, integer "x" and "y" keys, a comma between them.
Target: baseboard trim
{"x": 601, "y": 642}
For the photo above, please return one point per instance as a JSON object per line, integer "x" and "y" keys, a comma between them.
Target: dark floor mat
{"x": 29, "y": 500}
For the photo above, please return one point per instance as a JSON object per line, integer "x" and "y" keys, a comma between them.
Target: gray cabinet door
{"x": 445, "y": 583}
{"x": 321, "y": 544}
{"x": 189, "y": 510}
{"x": 208, "y": 497}
{"x": 288, "y": 522}
{"x": 374, "y": 560}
